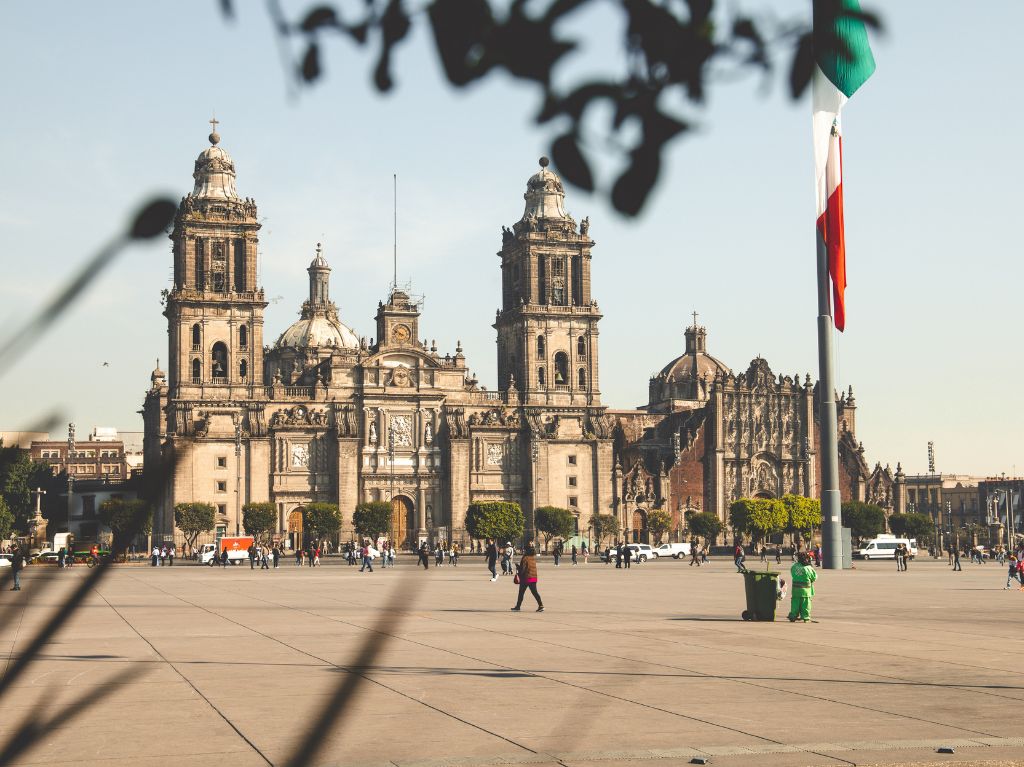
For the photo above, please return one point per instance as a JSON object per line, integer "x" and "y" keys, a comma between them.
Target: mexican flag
{"x": 843, "y": 62}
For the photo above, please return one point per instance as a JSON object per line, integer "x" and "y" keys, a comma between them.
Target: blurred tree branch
{"x": 674, "y": 48}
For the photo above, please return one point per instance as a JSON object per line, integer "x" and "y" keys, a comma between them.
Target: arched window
{"x": 197, "y": 371}
{"x": 197, "y": 337}
{"x": 243, "y": 369}
{"x": 219, "y": 366}
{"x": 561, "y": 369}
{"x": 581, "y": 378}
{"x": 581, "y": 348}
{"x": 540, "y": 376}
{"x": 243, "y": 336}
{"x": 540, "y": 347}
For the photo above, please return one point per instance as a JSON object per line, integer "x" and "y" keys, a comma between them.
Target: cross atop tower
{"x": 214, "y": 122}
{"x": 695, "y": 315}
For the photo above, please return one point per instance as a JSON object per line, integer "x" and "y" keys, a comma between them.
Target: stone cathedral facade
{"x": 324, "y": 415}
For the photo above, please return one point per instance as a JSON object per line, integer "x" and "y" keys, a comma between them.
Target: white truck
{"x": 237, "y": 547}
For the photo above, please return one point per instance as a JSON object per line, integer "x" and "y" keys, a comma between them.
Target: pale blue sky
{"x": 103, "y": 107}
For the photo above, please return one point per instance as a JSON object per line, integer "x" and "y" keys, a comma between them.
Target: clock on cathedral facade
{"x": 324, "y": 415}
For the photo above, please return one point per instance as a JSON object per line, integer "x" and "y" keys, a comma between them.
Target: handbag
{"x": 516, "y": 578}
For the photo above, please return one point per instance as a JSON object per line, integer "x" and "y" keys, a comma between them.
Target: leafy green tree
{"x": 605, "y": 526}
{"x": 758, "y": 517}
{"x": 658, "y": 522}
{"x": 802, "y": 514}
{"x": 865, "y": 520}
{"x": 259, "y": 520}
{"x": 554, "y": 522}
{"x": 321, "y": 520}
{"x": 912, "y": 525}
{"x": 501, "y": 520}
{"x": 19, "y": 476}
{"x": 6, "y": 519}
{"x": 372, "y": 519}
{"x": 705, "y": 525}
{"x": 193, "y": 519}
{"x": 126, "y": 519}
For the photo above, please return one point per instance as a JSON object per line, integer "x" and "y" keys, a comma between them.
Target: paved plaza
{"x": 648, "y": 665}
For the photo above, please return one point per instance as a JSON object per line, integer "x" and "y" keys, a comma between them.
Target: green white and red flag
{"x": 843, "y": 62}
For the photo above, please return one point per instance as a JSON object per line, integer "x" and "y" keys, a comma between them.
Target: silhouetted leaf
{"x": 394, "y": 25}
{"x": 358, "y": 32}
{"x": 527, "y": 48}
{"x": 571, "y": 162}
{"x": 153, "y": 219}
{"x": 632, "y": 188}
{"x": 461, "y": 29}
{"x": 321, "y": 16}
{"x": 311, "y": 63}
{"x": 803, "y": 65}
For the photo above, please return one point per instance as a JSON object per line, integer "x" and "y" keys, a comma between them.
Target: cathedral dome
{"x": 318, "y": 330}
{"x": 545, "y": 195}
{"x": 688, "y": 376}
{"x": 215, "y": 172}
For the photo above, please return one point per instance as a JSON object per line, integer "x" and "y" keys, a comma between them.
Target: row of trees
{"x": 320, "y": 521}
{"x": 760, "y": 518}
{"x": 503, "y": 520}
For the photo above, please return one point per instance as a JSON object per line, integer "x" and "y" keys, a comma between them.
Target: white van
{"x": 884, "y": 547}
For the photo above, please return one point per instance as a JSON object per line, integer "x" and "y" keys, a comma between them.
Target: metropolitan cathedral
{"x": 324, "y": 415}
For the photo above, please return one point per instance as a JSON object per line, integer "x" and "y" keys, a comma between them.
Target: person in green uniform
{"x": 804, "y": 576}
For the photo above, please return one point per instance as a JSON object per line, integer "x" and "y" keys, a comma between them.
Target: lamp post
{"x": 238, "y": 473}
{"x": 71, "y": 479}
{"x": 391, "y": 466}
{"x": 534, "y": 455}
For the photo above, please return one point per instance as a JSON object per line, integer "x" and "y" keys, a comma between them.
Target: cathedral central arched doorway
{"x": 295, "y": 528}
{"x": 640, "y": 534}
{"x": 401, "y": 521}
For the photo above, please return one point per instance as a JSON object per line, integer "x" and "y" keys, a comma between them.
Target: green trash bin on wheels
{"x": 761, "y": 592}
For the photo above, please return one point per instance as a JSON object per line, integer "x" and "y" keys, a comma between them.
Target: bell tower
{"x": 547, "y": 324}
{"x": 215, "y": 309}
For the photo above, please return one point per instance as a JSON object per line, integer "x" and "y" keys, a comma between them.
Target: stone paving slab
{"x": 646, "y": 666}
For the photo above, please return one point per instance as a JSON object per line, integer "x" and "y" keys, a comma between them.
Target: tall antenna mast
{"x": 394, "y": 283}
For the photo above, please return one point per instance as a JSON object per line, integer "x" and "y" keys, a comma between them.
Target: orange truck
{"x": 237, "y": 547}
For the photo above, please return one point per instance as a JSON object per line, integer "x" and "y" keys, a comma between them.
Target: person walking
{"x": 252, "y": 556}
{"x": 575, "y": 559}
{"x": 1011, "y": 573}
{"x": 618, "y": 555}
{"x": 61, "y": 556}
{"x": 764, "y": 553}
{"x": 956, "y": 559}
{"x": 526, "y": 576}
{"x": 455, "y": 555}
{"x": 803, "y": 578}
{"x": 276, "y": 554}
{"x": 694, "y": 553}
{"x": 585, "y": 550}
{"x": 738, "y": 557}
{"x": 778, "y": 554}
{"x": 627, "y": 556}
{"x": 491, "y": 554}
{"x": 556, "y": 552}
{"x": 423, "y": 556}
{"x": 18, "y": 563}
{"x": 367, "y": 558}
{"x": 224, "y": 557}
{"x": 171, "y": 553}
{"x": 704, "y": 554}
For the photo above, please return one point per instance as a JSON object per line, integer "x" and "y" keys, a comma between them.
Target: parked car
{"x": 5, "y": 560}
{"x": 674, "y": 550}
{"x": 641, "y": 552}
{"x": 46, "y": 558}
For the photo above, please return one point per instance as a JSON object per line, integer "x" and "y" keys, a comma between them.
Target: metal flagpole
{"x": 831, "y": 523}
